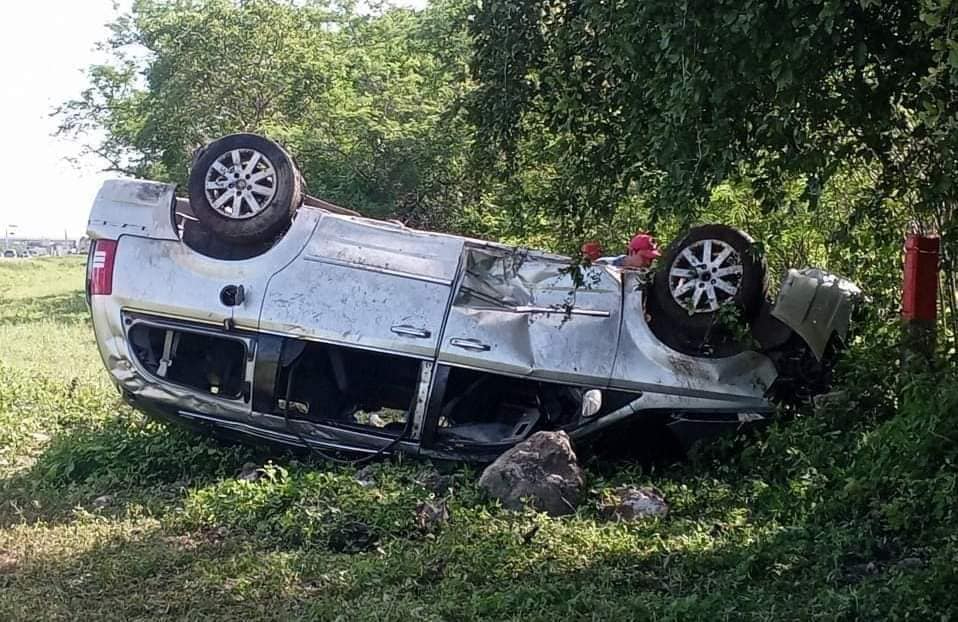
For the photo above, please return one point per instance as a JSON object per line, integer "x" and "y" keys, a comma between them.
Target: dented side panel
{"x": 387, "y": 247}
{"x": 166, "y": 277}
{"x": 368, "y": 285}
{"x": 519, "y": 313}
{"x": 136, "y": 382}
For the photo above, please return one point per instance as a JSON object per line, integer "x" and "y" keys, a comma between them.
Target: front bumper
{"x": 816, "y": 305}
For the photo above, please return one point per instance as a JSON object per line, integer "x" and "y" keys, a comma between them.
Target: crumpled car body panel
{"x": 816, "y": 305}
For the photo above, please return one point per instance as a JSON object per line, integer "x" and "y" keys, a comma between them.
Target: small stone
{"x": 830, "y": 401}
{"x": 250, "y": 473}
{"x": 102, "y": 501}
{"x": 629, "y": 503}
{"x": 40, "y": 437}
{"x": 435, "y": 482}
{"x": 8, "y": 562}
{"x": 430, "y": 516}
{"x": 366, "y": 476}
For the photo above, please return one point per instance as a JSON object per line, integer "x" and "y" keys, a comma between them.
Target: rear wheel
{"x": 708, "y": 280}
{"x": 244, "y": 188}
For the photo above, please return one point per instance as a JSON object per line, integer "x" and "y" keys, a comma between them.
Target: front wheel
{"x": 709, "y": 278}
{"x": 244, "y": 188}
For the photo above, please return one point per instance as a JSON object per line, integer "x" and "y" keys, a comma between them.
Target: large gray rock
{"x": 542, "y": 470}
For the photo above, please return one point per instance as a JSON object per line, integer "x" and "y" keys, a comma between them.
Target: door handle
{"x": 411, "y": 331}
{"x": 469, "y": 344}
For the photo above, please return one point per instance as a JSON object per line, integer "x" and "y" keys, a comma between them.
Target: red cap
{"x": 644, "y": 245}
{"x": 592, "y": 250}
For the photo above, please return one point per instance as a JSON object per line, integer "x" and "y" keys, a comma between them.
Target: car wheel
{"x": 708, "y": 269}
{"x": 244, "y": 188}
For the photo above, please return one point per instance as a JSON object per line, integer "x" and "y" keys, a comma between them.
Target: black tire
{"x": 702, "y": 332}
{"x": 201, "y": 240}
{"x": 275, "y": 214}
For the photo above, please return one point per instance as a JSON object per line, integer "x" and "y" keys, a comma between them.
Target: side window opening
{"x": 198, "y": 360}
{"x": 333, "y": 384}
{"x": 480, "y": 407}
{"x": 483, "y": 408}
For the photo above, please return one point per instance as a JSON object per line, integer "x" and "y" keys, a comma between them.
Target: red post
{"x": 920, "y": 288}
{"x": 919, "y": 305}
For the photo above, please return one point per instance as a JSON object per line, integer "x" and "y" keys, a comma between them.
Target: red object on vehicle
{"x": 644, "y": 245}
{"x": 592, "y": 250}
{"x": 100, "y": 273}
{"x": 920, "y": 286}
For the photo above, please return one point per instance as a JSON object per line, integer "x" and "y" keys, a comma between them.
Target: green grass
{"x": 849, "y": 514}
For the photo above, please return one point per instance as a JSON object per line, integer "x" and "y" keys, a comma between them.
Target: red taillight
{"x": 103, "y": 254}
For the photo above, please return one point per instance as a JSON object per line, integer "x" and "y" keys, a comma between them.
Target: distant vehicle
{"x": 257, "y": 310}
{"x": 9, "y": 253}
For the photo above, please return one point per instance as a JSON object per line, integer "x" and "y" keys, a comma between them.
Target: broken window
{"x": 195, "y": 359}
{"x": 479, "y": 407}
{"x": 346, "y": 386}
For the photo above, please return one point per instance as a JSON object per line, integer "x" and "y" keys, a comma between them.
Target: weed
{"x": 845, "y": 513}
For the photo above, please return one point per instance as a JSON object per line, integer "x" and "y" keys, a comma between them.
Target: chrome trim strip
{"x": 170, "y": 316}
{"x": 422, "y": 399}
{"x": 496, "y": 305}
{"x": 359, "y": 266}
{"x": 346, "y": 344}
{"x": 572, "y": 311}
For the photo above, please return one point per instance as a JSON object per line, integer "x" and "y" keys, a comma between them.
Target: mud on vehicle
{"x": 254, "y": 309}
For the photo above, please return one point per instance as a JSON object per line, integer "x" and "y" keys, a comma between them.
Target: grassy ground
{"x": 849, "y": 514}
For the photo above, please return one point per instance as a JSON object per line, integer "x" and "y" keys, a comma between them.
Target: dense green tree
{"x": 793, "y": 101}
{"x": 668, "y": 99}
{"x": 363, "y": 100}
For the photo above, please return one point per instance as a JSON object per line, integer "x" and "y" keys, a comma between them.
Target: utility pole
{"x": 8, "y": 230}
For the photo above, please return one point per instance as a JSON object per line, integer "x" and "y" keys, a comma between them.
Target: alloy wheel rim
{"x": 240, "y": 184}
{"x": 705, "y": 276}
